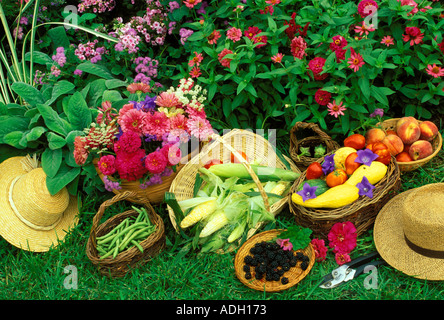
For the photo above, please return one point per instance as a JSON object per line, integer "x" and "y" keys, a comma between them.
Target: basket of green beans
{"x": 126, "y": 240}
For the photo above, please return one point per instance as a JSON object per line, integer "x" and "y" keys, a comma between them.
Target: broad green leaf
{"x": 53, "y": 121}
{"x": 78, "y": 112}
{"x": 59, "y": 37}
{"x": 60, "y": 88}
{"x": 62, "y": 178}
{"x": 28, "y": 93}
{"x": 95, "y": 69}
{"x": 379, "y": 95}
{"x": 39, "y": 58}
{"x": 51, "y": 161}
{"x": 12, "y": 123}
{"x": 14, "y": 139}
{"x": 115, "y": 83}
{"x": 35, "y": 133}
{"x": 55, "y": 141}
{"x": 111, "y": 96}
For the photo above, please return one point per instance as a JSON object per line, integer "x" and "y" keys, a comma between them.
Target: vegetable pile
{"x": 342, "y": 177}
{"x": 128, "y": 233}
{"x": 227, "y": 203}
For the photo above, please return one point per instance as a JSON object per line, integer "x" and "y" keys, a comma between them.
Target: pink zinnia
{"x": 156, "y": 124}
{"x": 172, "y": 153}
{"x": 213, "y": 37}
{"x": 156, "y": 162}
{"x": 106, "y": 165}
{"x": 342, "y": 237}
{"x": 413, "y": 35}
{"x": 320, "y": 249}
{"x": 251, "y": 32}
{"x": 277, "y": 58}
{"x": 196, "y": 60}
{"x": 339, "y": 42}
{"x": 178, "y": 121}
{"x": 224, "y": 61}
{"x": 388, "y": 41}
{"x": 367, "y": 7}
{"x": 336, "y": 109}
{"x": 191, "y": 3}
{"x": 411, "y": 3}
{"x": 316, "y": 65}
{"x": 167, "y": 100}
{"x": 132, "y": 120}
{"x": 298, "y": 47}
{"x": 342, "y": 258}
{"x": 195, "y": 72}
{"x": 130, "y": 166}
{"x": 435, "y": 71}
{"x": 199, "y": 128}
{"x": 364, "y": 29}
{"x": 129, "y": 141}
{"x": 322, "y": 97}
{"x": 355, "y": 61}
{"x": 234, "y": 34}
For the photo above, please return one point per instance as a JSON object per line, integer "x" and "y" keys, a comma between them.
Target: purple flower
{"x": 366, "y": 156}
{"x": 307, "y": 192}
{"x": 365, "y": 188}
{"x": 378, "y": 112}
{"x": 110, "y": 185}
{"x": 329, "y": 164}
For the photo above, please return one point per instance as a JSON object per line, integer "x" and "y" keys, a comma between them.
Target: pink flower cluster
{"x": 89, "y": 51}
{"x": 60, "y": 57}
{"x": 96, "y": 6}
{"x": 143, "y": 139}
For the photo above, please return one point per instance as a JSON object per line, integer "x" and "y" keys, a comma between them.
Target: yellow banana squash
{"x": 347, "y": 192}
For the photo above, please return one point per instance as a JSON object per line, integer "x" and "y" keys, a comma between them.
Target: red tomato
{"x": 350, "y": 164}
{"x": 234, "y": 159}
{"x": 355, "y": 141}
{"x": 382, "y": 151}
{"x": 336, "y": 178}
{"x": 314, "y": 171}
{"x": 212, "y": 163}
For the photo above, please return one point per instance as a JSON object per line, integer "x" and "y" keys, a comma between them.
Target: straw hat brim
{"x": 391, "y": 244}
{"x": 17, "y": 233}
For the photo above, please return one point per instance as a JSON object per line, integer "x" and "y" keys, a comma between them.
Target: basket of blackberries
{"x": 264, "y": 262}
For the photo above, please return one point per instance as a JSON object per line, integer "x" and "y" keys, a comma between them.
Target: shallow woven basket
{"x": 154, "y": 193}
{"x": 299, "y": 138}
{"x": 362, "y": 212}
{"x": 132, "y": 258}
{"x": 294, "y": 275}
{"x": 390, "y": 124}
{"x": 237, "y": 140}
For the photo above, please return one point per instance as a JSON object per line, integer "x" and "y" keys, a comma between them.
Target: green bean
{"x": 106, "y": 255}
{"x": 114, "y": 230}
{"x": 128, "y": 239}
{"x": 137, "y": 245}
{"x": 116, "y": 250}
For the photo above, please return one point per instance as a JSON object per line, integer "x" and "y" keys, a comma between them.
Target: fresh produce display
{"x": 128, "y": 233}
{"x": 227, "y": 203}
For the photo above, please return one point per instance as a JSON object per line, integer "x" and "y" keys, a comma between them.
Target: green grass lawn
{"x": 192, "y": 276}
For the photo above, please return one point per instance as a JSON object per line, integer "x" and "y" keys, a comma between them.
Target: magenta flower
{"x": 342, "y": 237}
{"x": 285, "y": 244}
{"x": 356, "y": 61}
{"x": 388, "y": 41}
{"x": 156, "y": 162}
{"x": 106, "y": 165}
{"x": 234, "y": 34}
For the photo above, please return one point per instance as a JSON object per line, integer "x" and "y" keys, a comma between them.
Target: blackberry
{"x": 305, "y": 258}
{"x": 269, "y": 276}
{"x": 271, "y": 255}
{"x": 248, "y": 259}
{"x": 280, "y": 272}
{"x": 261, "y": 268}
{"x": 286, "y": 266}
{"x": 254, "y": 262}
{"x": 304, "y": 265}
{"x": 274, "y": 264}
{"x": 293, "y": 261}
{"x": 284, "y": 280}
{"x": 246, "y": 268}
{"x": 259, "y": 275}
{"x": 276, "y": 276}
{"x": 248, "y": 275}
{"x": 300, "y": 256}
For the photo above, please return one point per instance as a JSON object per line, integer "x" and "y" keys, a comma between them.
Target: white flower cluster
{"x": 189, "y": 94}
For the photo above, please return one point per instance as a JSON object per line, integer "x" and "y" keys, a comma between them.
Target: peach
{"x": 420, "y": 149}
{"x": 403, "y": 120}
{"x": 374, "y": 135}
{"x": 429, "y": 130}
{"x": 403, "y": 157}
{"x": 394, "y": 144}
{"x": 409, "y": 132}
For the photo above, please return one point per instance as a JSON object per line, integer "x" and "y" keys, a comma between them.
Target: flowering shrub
{"x": 142, "y": 141}
{"x": 273, "y": 63}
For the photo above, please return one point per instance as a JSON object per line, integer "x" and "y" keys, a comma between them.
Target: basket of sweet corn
{"x": 223, "y": 195}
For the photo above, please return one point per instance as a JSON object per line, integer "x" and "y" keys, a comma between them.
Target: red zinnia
{"x": 224, "y": 61}
{"x": 316, "y": 65}
{"x": 342, "y": 237}
{"x": 322, "y": 97}
{"x": 413, "y": 34}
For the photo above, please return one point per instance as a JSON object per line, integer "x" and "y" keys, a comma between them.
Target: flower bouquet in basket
{"x": 143, "y": 143}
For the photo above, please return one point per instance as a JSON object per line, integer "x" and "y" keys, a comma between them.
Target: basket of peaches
{"x": 412, "y": 142}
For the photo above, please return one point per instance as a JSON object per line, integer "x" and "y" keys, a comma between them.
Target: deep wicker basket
{"x": 362, "y": 212}
{"x": 308, "y": 135}
{"x": 390, "y": 124}
{"x": 132, "y": 258}
{"x": 237, "y": 140}
{"x": 294, "y": 275}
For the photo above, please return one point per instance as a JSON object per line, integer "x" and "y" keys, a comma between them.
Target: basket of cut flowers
{"x": 142, "y": 145}
{"x": 235, "y": 185}
{"x": 351, "y": 183}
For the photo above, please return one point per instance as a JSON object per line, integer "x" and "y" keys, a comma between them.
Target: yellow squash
{"x": 374, "y": 173}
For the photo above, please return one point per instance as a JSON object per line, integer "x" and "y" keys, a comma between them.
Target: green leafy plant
{"x": 298, "y": 236}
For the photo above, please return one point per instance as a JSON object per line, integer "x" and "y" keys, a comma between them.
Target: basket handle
{"x": 249, "y": 169}
{"x": 119, "y": 197}
{"x": 307, "y": 125}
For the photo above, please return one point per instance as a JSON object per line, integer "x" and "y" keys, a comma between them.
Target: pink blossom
{"x": 224, "y": 61}
{"x": 234, "y": 34}
{"x": 413, "y": 35}
{"x": 342, "y": 258}
{"x": 277, "y": 58}
{"x": 191, "y": 3}
{"x": 155, "y": 162}
{"x": 364, "y": 29}
{"x": 320, "y": 249}
{"x": 316, "y": 65}
{"x": 106, "y": 165}
{"x": 133, "y": 120}
{"x": 336, "y": 109}
{"x": 342, "y": 237}
{"x": 285, "y": 244}
{"x": 388, "y": 41}
{"x": 199, "y": 128}
{"x": 167, "y": 100}
{"x": 130, "y": 166}
{"x": 355, "y": 61}
{"x": 367, "y": 7}
{"x": 213, "y": 37}
{"x": 178, "y": 121}
{"x": 156, "y": 124}
{"x": 129, "y": 141}
{"x": 298, "y": 47}
{"x": 435, "y": 71}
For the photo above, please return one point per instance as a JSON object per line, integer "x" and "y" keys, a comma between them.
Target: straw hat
{"x": 30, "y": 217}
{"x": 409, "y": 232}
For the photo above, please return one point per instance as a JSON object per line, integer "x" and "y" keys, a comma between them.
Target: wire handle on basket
{"x": 119, "y": 197}
{"x": 249, "y": 169}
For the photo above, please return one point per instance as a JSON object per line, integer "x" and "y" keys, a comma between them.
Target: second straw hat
{"x": 409, "y": 232}
{"x": 30, "y": 217}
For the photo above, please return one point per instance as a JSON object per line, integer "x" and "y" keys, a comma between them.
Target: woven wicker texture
{"x": 361, "y": 213}
{"x": 237, "y": 140}
{"x": 305, "y": 135}
{"x": 294, "y": 275}
{"x": 132, "y": 258}
{"x": 413, "y": 165}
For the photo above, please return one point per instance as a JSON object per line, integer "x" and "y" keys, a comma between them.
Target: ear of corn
{"x": 199, "y": 212}
{"x": 216, "y": 222}
{"x": 237, "y": 232}
{"x": 227, "y": 170}
{"x": 279, "y": 188}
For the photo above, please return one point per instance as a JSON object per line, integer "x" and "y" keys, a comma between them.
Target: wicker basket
{"x": 294, "y": 275}
{"x": 154, "y": 193}
{"x": 253, "y": 145}
{"x": 362, "y": 212}
{"x": 129, "y": 259}
{"x": 299, "y": 138}
{"x": 412, "y": 165}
